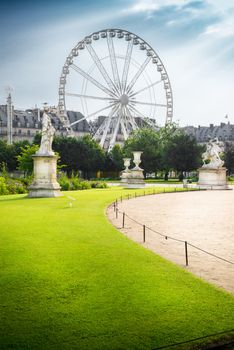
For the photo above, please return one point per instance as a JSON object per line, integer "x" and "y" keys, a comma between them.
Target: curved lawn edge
{"x": 70, "y": 281}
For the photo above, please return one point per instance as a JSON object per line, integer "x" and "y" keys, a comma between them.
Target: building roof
{"x": 30, "y": 118}
{"x": 224, "y": 132}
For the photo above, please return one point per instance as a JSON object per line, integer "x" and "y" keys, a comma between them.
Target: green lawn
{"x": 162, "y": 181}
{"x": 231, "y": 180}
{"x": 158, "y": 181}
{"x": 69, "y": 280}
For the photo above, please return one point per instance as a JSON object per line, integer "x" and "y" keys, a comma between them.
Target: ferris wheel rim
{"x": 112, "y": 84}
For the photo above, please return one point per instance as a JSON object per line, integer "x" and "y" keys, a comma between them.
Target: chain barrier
{"x": 186, "y": 243}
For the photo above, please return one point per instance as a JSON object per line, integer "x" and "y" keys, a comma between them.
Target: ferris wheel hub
{"x": 124, "y": 99}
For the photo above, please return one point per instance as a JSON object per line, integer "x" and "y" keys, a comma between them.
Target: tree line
{"x": 165, "y": 149}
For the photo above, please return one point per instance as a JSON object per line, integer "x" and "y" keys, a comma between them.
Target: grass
{"x": 231, "y": 180}
{"x": 162, "y": 181}
{"x": 69, "y": 280}
{"x": 159, "y": 181}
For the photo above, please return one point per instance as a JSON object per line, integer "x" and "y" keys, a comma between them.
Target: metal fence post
{"x": 186, "y": 252}
{"x": 123, "y": 220}
{"x": 143, "y": 233}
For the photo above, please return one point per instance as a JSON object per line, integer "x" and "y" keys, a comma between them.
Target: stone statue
{"x": 211, "y": 158}
{"x": 45, "y": 182}
{"x": 46, "y": 136}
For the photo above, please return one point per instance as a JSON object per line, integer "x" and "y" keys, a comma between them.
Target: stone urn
{"x": 136, "y": 179}
{"x": 137, "y": 159}
{"x": 126, "y": 172}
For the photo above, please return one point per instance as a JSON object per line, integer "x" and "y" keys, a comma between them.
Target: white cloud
{"x": 201, "y": 81}
{"x": 223, "y": 29}
{"x": 144, "y": 6}
{"x": 150, "y": 6}
{"x": 221, "y": 6}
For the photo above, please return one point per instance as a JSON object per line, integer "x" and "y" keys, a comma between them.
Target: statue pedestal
{"x": 124, "y": 177}
{"x": 136, "y": 179}
{"x": 212, "y": 178}
{"x": 45, "y": 177}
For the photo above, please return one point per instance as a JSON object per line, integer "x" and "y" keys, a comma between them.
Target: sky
{"x": 194, "y": 39}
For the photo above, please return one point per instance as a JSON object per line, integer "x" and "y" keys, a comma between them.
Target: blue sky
{"x": 195, "y": 40}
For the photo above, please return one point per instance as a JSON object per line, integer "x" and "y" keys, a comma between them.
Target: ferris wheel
{"x": 117, "y": 77}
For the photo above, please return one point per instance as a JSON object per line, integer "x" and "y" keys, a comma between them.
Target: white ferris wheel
{"x": 117, "y": 76}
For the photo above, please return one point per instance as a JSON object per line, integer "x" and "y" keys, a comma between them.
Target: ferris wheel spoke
{"x": 131, "y": 119}
{"x": 92, "y": 114}
{"x": 126, "y": 64}
{"x": 149, "y": 104}
{"x": 138, "y": 73}
{"x": 107, "y": 126}
{"x": 100, "y": 66}
{"x": 114, "y": 135}
{"x": 145, "y": 88}
{"x": 88, "y": 96}
{"x": 123, "y": 127}
{"x": 138, "y": 113}
{"x": 114, "y": 67}
{"x": 92, "y": 80}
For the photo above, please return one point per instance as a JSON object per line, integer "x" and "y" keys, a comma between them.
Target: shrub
{"x": 98, "y": 184}
{"x": 16, "y": 187}
{"x": 26, "y": 181}
{"x": 3, "y": 186}
{"x": 20, "y": 189}
{"x": 76, "y": 184}
{"x": 11, "y": 187}
{"x": 194, "y": 179}
{"x": 3, "y": 170}
{"x": 64, "y": 183}
{"x": 85, "y": 185}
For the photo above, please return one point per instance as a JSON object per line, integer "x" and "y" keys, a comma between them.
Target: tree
{"x": 91, "y": 156}
{"x": 114, "y": 159}
{"x": 37, "y": 139}
{"x": 9, "y": 153}
{"x": 182, "y": 153}
{"x": 145, "y": 140}
{"x": 16, "y": 151}
{"x": 4, "y": 152}
{"x": 67, "y": 149}
{"x": 82, "y": 153}
{"x": 229, "y": 157}
{"x": 25, "y": 160}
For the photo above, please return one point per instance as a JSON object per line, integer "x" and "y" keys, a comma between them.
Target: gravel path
{"x": 204, "y": 219}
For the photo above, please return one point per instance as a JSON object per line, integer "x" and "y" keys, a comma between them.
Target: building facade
{"x": 27, "y": 123}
